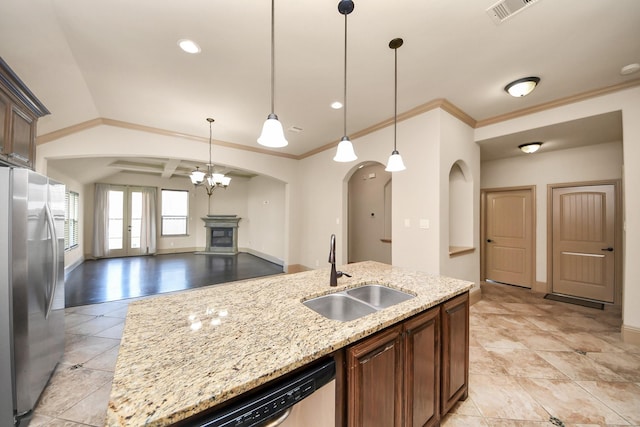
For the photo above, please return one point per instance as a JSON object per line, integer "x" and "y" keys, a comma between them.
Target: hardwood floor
{"x": 113, "y": 279}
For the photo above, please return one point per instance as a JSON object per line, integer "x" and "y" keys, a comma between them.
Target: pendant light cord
{"x": 395, "y": 100}
{"x": 273, "y": 54}
{"x": 345, "y": 74}
{"x": 209, "y": 165}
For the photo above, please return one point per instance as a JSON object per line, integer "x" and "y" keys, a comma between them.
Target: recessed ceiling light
{"x": 522, "y": 87}
{"x": 629, "y": 69}
{"x": 336, "y": 105}
{"x": 189, "y": 46}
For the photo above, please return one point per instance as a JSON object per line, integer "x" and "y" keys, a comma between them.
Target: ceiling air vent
{"x": 505, "y": 9}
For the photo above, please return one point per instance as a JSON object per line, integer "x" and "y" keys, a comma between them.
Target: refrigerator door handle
{"x": 54, "y": 250}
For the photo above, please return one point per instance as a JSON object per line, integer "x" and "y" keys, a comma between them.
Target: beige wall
{"x": 110, "y": 141}
{"x": 74, "y": 256}
{"x": 367, "y": 215}
{"x": 627, "y": 101}
{"x": 429, "y": 144}
{"x": 591, "y": 163}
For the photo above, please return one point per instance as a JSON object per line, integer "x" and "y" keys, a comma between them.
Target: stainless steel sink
{"x": 339, "y": 306}
{"x": 379, "y": 296}
{"x": 354, "y": 303}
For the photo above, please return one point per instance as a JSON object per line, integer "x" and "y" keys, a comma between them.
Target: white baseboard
{"x": 70, "y": 267}
{"x": 630, "y": 334}
{"x": 262, "y": 255}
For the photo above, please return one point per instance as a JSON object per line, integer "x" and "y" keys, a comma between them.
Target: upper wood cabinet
{"x": 19, "y": 113}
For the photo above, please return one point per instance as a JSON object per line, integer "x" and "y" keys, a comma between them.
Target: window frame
{"x": 71, "y": 222}
{"x": 163, "y": 216}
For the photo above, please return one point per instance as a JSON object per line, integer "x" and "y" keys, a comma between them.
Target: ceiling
{"x": 119, "y": 60}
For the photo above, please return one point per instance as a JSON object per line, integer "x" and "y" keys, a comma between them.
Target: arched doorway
{"x": 369, "y": 213}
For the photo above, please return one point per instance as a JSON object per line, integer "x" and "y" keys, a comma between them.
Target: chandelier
{"x": 210, "y": 180}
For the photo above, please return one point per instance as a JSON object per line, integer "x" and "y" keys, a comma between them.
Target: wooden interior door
{"x": 583, "y": 241}
{"x": 509, "y": 237}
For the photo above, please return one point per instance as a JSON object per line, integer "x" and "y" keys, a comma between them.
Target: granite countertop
{"x": 184, "y": 353}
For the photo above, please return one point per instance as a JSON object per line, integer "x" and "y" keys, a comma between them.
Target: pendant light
{"x": 272, "y": 133}
{"x": 210, "y": 181}
{"x": 345, "y": 151}
{"x": 395, "y": 163}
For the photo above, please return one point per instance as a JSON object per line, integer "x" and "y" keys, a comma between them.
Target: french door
{"x": 124, "y": 221}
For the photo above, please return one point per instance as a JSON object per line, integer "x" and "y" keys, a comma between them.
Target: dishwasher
{"x": 274, "y": 403}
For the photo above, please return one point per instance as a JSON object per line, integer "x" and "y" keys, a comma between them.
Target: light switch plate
{"x": 424, "y": 224}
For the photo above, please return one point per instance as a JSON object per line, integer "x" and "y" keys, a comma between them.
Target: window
{"x": 71, "y": 220}
{"x": 175, "y": 211}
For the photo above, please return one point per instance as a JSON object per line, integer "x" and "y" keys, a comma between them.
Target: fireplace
{"x": 222, "y": 234}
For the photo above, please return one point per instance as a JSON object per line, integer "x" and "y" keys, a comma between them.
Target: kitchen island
{"x": 184, "y": 353}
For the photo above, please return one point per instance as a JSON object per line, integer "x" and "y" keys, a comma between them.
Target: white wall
{"x": 591, "y": 163}
{"x": 628, "y": 101}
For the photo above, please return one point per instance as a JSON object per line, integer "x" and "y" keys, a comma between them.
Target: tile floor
{"x": 533, "y": 362}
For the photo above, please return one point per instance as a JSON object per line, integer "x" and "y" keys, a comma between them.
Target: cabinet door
{"x": 374, "y": 381}
{"x": 4, "y": 123}
{"x": 455, "y": 351}
{"x": 422, "y": 369}
{"x": 22, "y": 138}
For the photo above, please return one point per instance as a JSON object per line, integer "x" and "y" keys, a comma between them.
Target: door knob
{"x": 489, "y": 241}
{"x": 607, "y": 249}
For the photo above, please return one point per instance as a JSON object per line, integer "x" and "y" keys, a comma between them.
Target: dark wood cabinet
{"x": 374, "y": 380}
{"x": 422, "y": 370}
{"x": 455, "y": 351}
{"x": 393, "y": 377}
{"x": 19, "y": 113}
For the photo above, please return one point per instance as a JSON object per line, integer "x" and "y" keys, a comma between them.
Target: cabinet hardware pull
{"x": 489, "y": 241}
{"x": 609, "y": 249}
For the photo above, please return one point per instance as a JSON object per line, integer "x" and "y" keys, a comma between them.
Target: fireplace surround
{"x": 222, "y": 234}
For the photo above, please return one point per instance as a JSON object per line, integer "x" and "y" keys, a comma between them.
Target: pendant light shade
{"x": 272, "y": 133}
{"x": 395, "y": 163}
{"x": 345, "y": 152}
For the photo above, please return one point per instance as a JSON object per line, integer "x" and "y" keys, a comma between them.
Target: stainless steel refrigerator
{"x": 32, "y": 209}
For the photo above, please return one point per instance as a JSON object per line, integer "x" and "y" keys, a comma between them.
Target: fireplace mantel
{"x": 222, "y": 234}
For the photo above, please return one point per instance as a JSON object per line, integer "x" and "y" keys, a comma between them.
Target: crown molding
{"x": 101, "y": 121}
{"x": 440, "y": 103}
{"x": 557, "y": 103}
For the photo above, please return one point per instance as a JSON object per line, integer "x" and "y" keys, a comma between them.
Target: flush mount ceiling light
{"x": 189, "y": 46}
{"x": 522, "y": 87}
{"x": 210, "y": 181}
{"x": 530, "y": 147}
{"x": 345, "y": 151}
{"x": 272, "y": 133}
{"x": 336, "y": 105}
{"x": 395, "y": 163}
{"x": 630, "y": 69}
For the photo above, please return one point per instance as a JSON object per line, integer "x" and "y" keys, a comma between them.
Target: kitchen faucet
{"x": 333, "y": 279}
